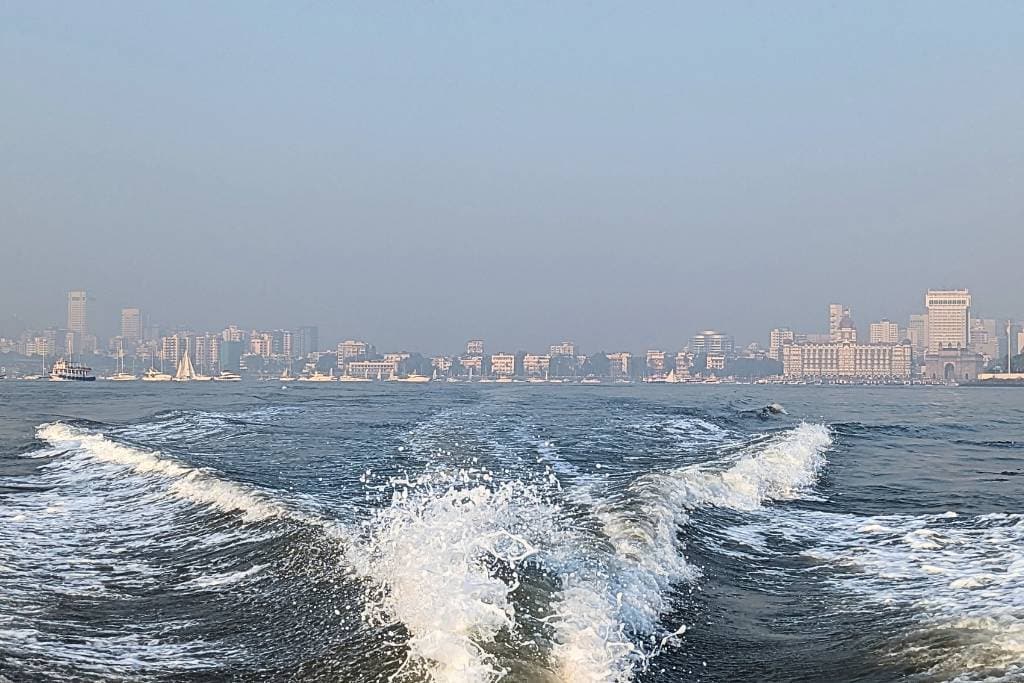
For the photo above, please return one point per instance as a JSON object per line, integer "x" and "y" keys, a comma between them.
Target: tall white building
{"x": 884, "y": 332}
{"x": 949, "y": 319}
{"x": 78, "y": 318}
{"x": 836, "y": 314}
{"x": 779, "y": 337}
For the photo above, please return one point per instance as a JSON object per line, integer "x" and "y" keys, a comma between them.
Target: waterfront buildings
{"x": 352, "y": 349}
{"x": 503, "y": 364}
{"x": 836, "y": 314}
{"x": 536, "y": 365}
{"x": 620, "y": 365}
{"x": 949, "y": 318}
{"x": 475, "y": 347}
{"x": 884, "y": 332}
{"x": 372, "y": 369}
{"x": 472, "y": 365}
{"x": 656, "y": 361}
{"x": 779, "y": 337}
{"x": 710, "y": 341}
{"x": 847, "y": 360}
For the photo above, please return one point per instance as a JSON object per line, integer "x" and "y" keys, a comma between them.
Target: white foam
{"x": 434, "y": 553}
{"x": 648, "y": 556}
{"x": 961, "y": 577}
{"x": 182, "y": 481}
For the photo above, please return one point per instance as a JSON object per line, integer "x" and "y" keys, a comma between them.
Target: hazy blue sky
{"x": 419, "y": 173}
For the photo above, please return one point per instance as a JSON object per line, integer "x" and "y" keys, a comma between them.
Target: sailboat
{"x": 286, "y": 374}
{"x": 121, "y": 375}
{"x": 185, "y": 370}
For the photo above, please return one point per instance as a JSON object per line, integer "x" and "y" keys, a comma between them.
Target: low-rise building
{"x": 655, "y": 361}
{"x": 372, "y": 369}
{"x": 536, "y": 365}
{"x": 847, "y": 361}
{"x": 620, "y": 365}
{"x": 503, "y": 364}
{"x": 715, "y": 361}
{"x": 565, "y": 348}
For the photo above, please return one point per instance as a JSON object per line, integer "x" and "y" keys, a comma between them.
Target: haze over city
{"x": 421, "y": 175}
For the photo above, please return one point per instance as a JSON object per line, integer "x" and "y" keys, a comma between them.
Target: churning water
{"x": 516, "y": 533}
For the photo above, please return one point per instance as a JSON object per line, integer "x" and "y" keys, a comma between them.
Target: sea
{"x": 261, "y": 531}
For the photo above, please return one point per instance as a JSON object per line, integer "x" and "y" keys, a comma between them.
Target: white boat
{"x": 121, "y": 375}
{"x": 226, "y": 376}
{"x": 413, "y": 378}
{"x": 286, "y": 375}
{"x": 186, "y": 372}
{"x": 65, "y": 371}
{"x": 318, "y": 376}
{"x": 154, "y": 375}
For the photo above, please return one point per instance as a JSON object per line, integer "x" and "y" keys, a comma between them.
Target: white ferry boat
{"x": 64, "y": 371}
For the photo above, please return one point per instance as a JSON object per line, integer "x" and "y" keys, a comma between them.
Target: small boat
{"x": 154, "y": 375}
{"x": 226, "y": 376}
{"x": 64, "y": 371}
{"x": 413, "y": 378}
{"x": 287, "y": 376}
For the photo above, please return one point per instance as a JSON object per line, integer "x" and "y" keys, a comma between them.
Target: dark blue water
{"x": 522, "y": 533}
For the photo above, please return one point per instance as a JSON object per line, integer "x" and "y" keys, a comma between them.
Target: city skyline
{"x": 113, "y": 324}
{"x": 946, "y": 320}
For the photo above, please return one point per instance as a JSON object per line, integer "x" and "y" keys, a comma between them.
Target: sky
{"x": 416, "y": 174}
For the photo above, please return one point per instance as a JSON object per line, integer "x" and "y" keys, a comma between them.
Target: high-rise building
{"x": 78, "y": 318}
{"x": 917, "y": 332}
{"x": 131, "y": 326}
{"x": 949, "y": 319}
{"x": 985, "y": 337}
{"x": 308, "y": 341}
{"x": 779, "y": 337}
{"x": 836, "y": 314}
{"x": 710, "y": 341}
{"x": 171, "y": 349}
{"x": 230, "y": 355}
{"x": 884, "y": 332}
{"x": 475, "y": 347}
